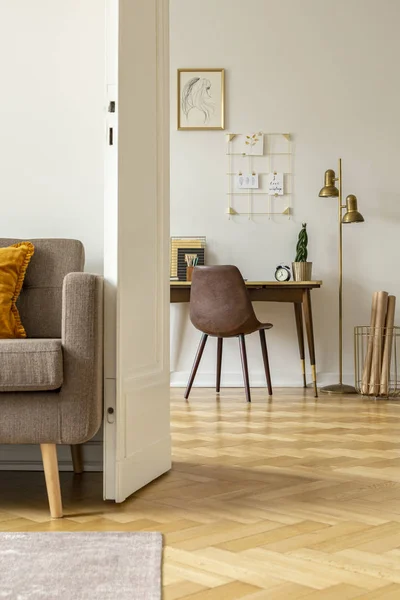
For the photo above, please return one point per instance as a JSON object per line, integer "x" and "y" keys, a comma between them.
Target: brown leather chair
{"x": 220, "y": 306}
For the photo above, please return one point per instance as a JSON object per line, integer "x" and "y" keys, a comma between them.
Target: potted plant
{"x": 300, "y": 267}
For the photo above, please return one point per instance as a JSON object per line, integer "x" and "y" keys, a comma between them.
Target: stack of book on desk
{"x": 180, "y": 247}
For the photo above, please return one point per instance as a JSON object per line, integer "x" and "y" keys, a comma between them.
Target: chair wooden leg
{"x": 219, "y": 363}
{"x": 77, "y": 459}
{"x": 265, "y": 359}
{"x": 50, "y": 464}
{"x": 245, "y": 368}
{"x": 196, "y": 364}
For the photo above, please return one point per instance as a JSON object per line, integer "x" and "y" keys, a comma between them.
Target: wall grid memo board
{"x": 260, "y": 177}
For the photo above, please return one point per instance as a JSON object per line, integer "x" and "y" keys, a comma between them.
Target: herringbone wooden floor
{"x": 283, "y": 499}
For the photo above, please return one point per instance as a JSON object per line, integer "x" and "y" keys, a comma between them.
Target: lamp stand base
{"x": 338, "y": 388}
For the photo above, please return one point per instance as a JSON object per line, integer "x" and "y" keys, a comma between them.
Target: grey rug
{"x": 80, "y": 566}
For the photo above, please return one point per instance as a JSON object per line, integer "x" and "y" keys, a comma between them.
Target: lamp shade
{"x": 329, "y": 190}
{"x": 352, "y": 215}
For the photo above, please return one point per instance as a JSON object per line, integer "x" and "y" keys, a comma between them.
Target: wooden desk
{"x": 296, "y": 292}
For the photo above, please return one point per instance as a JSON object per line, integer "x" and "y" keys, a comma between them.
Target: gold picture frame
{"x": 201, "y": 99}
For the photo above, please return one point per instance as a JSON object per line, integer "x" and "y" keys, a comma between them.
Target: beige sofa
{"x": 51, "y": 382}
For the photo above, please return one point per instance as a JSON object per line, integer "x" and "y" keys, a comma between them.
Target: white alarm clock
{"x": 282, "y": 273}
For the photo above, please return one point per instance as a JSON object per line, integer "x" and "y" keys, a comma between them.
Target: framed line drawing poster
{"x": 201, "y": 99}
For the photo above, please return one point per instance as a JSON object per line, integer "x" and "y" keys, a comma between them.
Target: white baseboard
{"x": 279, "y": 380}
{"x": 27, "y": 457}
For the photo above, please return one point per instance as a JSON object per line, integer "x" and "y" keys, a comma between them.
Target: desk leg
{"x": 298, "y": 313}
{"x": 310, "y": 335}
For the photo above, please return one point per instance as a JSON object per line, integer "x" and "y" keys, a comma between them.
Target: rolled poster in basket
{"x": 387, "y": 346}
{"x": 381, "y": 310}
{"x": 368, "y": 359}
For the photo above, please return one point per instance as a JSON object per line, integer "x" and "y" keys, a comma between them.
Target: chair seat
{"x": 30, "y": 365}
{"x": 247, "y": 328}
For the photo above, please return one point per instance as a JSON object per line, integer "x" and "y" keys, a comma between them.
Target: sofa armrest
{"x": 82, "y": 343}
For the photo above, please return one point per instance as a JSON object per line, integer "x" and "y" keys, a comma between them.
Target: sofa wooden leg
{"x": 50, "y": 464}
{"x": 77, "y": 459}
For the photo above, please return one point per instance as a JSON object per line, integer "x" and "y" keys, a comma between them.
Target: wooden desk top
{"x": 260, "y": 284}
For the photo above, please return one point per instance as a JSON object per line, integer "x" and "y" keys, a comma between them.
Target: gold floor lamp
{"x": 351, "y": 216}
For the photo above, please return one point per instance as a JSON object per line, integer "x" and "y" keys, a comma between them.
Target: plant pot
{"x": 302, "y": 271}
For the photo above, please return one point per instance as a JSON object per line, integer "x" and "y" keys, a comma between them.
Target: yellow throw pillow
{"x": 14, "y": 261}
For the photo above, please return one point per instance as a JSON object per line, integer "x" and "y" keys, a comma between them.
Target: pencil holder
{"x": 376, "y": 355}
{"x": 189, "y": 273}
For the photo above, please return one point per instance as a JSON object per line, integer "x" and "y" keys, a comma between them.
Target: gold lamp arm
{"x": 340, "y": 181}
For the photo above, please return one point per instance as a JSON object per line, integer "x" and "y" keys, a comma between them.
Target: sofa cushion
{"x": 40, "y": 300}
{"x": 14, "y": 261}
{"x": 28, "y": 365}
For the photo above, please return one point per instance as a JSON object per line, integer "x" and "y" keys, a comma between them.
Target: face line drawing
{"x": 196, "y": 94}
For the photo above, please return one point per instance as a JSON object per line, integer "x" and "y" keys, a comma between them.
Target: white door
{"x": 137, "y": 424}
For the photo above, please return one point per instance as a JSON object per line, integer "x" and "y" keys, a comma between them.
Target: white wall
{"x": 52, "y": 121}
{"x": 52, "y": 140}
{"x": 327, "y": 73}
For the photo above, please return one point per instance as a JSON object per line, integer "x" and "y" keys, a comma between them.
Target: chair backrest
{"x": 39, "y": 303}
{"x": 219, "y": 302}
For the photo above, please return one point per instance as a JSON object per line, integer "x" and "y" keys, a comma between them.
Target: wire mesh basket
{"x": 376, "y": 353}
